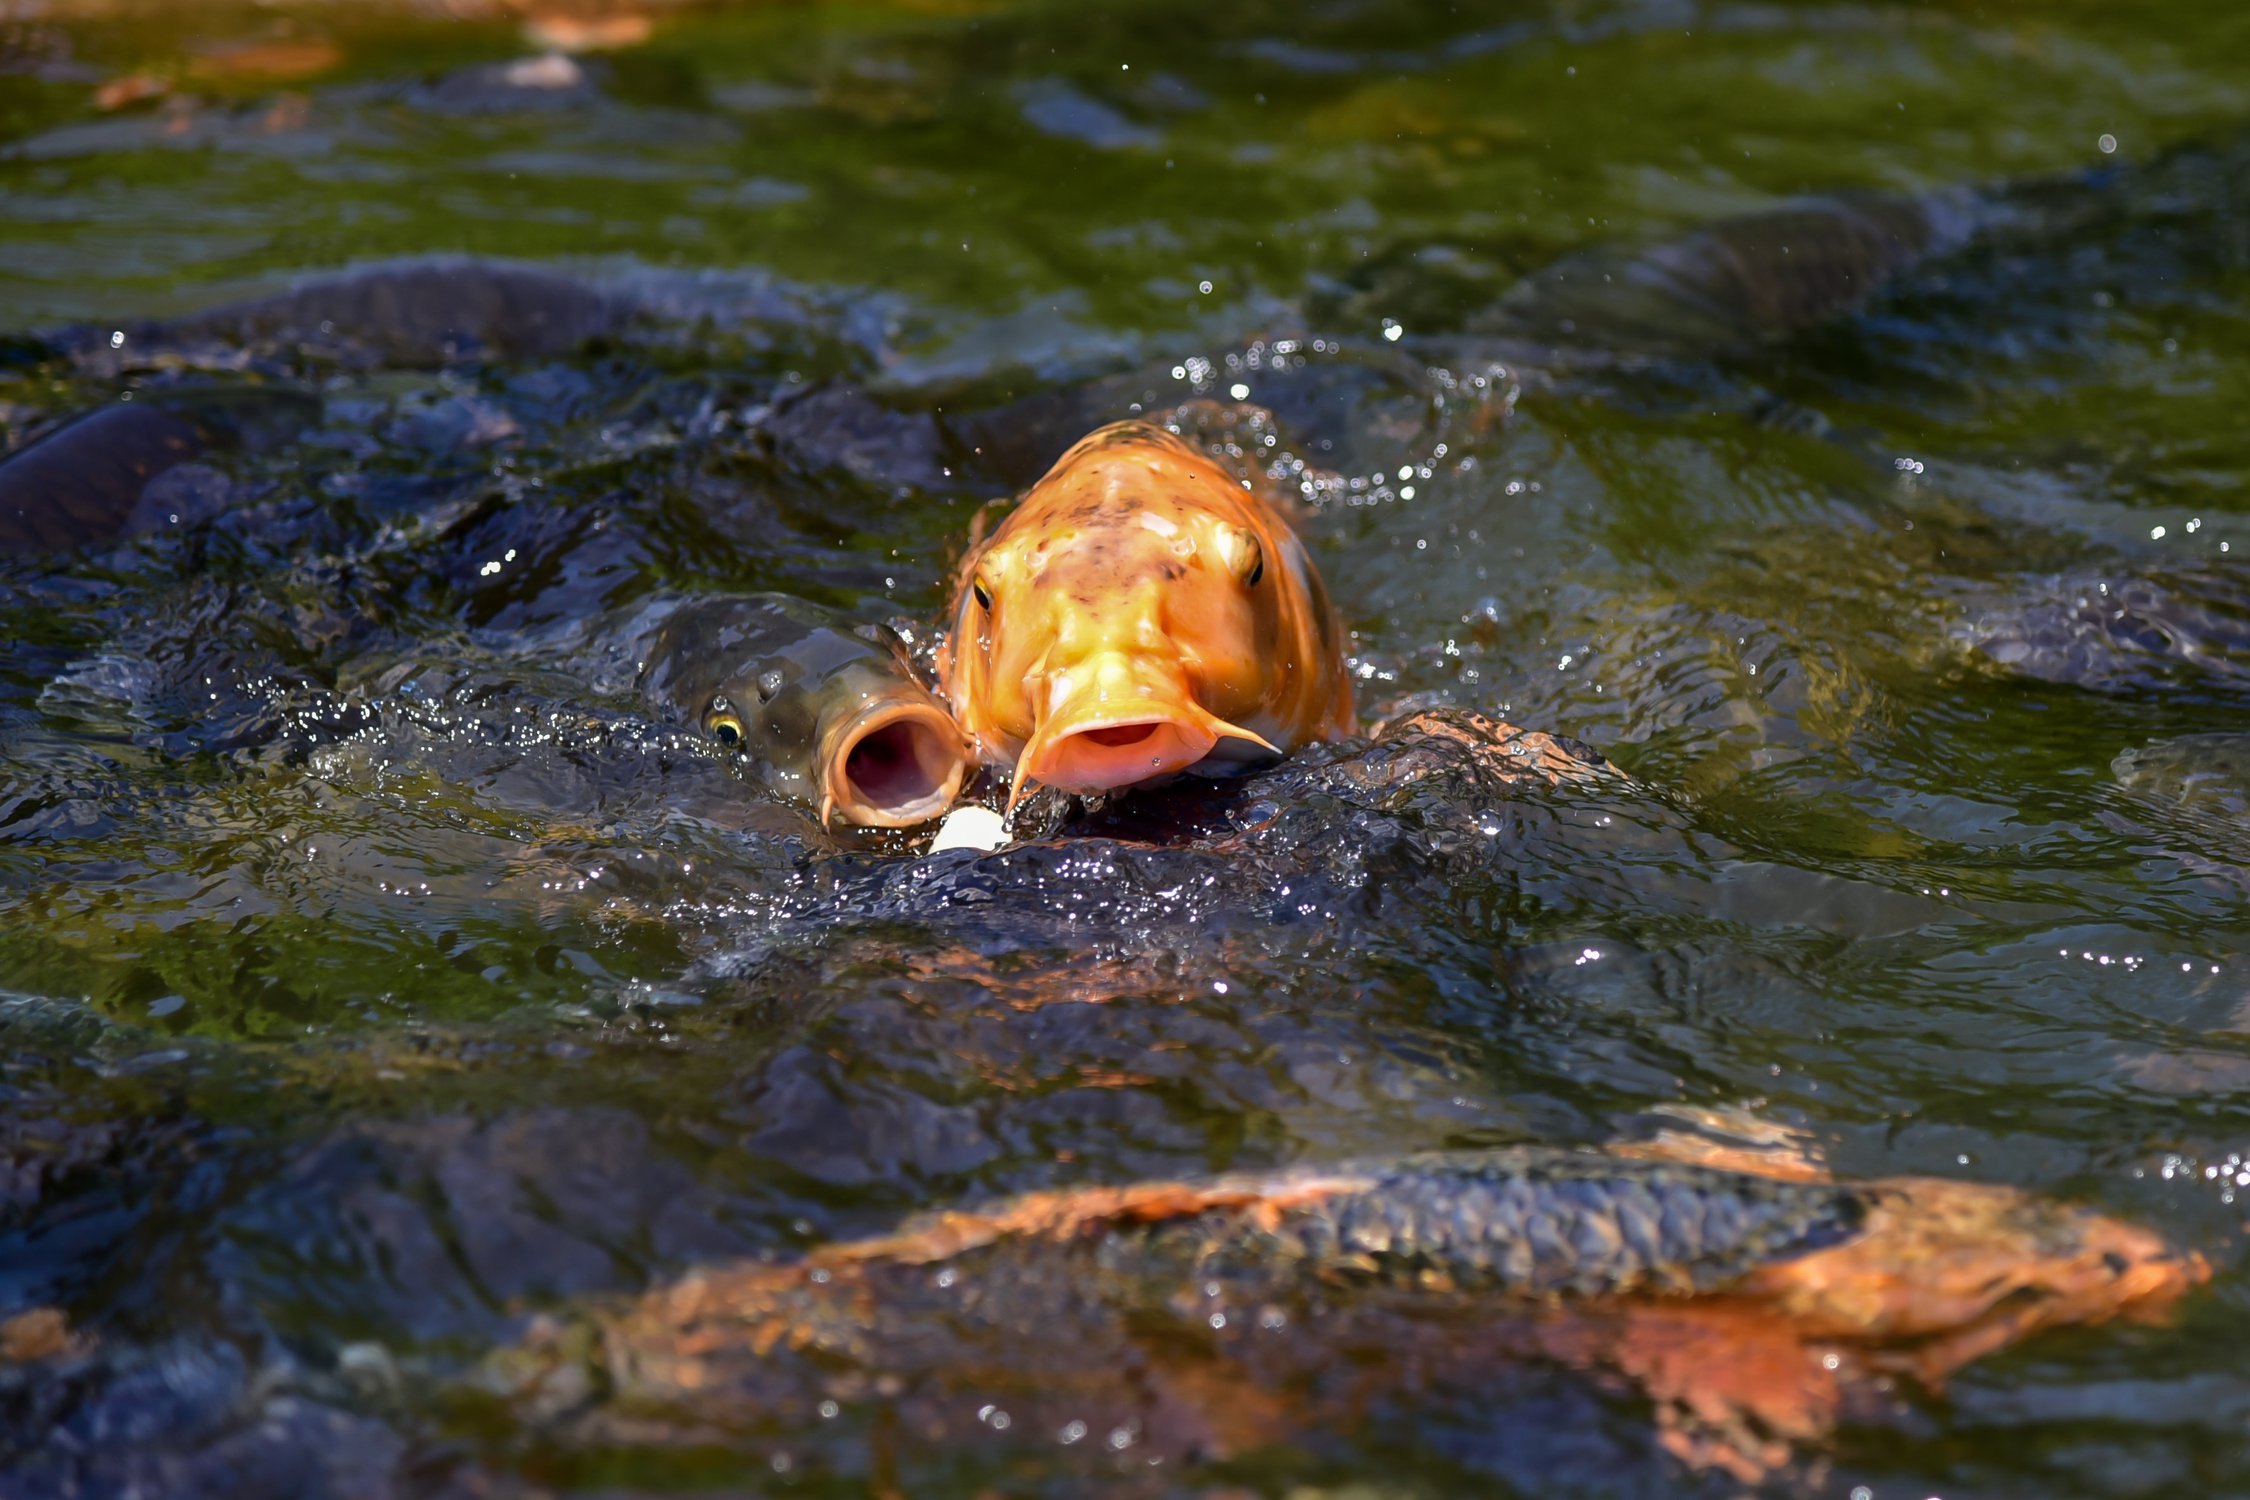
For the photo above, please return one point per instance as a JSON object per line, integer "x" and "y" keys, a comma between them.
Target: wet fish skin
{"x": 80, "y": 483}
{"x": 1530, "y": 1221}
{"x": 1142, "y": 613}
{"x": 83, "y": 483}
{"x": 1734, "y": 283}
{"x": 419, "y": 313}
{"x": 823, "y": 710}
{"x": 1609, "y": 1229}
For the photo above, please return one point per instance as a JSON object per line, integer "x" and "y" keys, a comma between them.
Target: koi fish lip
{"x": 1123, "y": 724}
{"x": 896, "y": 763}
{"x": 1121, "y": 746}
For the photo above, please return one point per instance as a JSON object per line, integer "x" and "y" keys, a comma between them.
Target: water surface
{"x": 383, "y": 976}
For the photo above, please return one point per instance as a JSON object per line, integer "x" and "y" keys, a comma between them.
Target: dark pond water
{"x": 382, "y": 978}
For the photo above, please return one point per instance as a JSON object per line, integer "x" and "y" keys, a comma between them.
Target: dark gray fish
{"x": 1746, "y": 281}
{"x": 416, "y": 313}
{"x": 1735, "y": 283}
{"x": 91, "y": 480}
{"x": 822, "y": 709}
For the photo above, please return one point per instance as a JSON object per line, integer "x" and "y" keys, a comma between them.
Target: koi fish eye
{"x": 1240, "y": 551}
{"x": 982, "y": 594}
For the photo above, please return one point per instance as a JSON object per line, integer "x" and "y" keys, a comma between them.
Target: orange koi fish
{"x": 1142, "y": 613}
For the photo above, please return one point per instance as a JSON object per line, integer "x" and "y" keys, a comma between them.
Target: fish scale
{"x": 1536, "y": 1221}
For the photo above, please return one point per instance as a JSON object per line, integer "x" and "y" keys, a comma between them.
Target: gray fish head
{"x": 821, "y": 709}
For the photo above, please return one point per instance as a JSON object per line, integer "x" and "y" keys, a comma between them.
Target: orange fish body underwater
{"x": 1140, "y": 614}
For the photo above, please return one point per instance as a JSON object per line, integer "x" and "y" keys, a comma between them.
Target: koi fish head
{"x": 1139, "y": 615}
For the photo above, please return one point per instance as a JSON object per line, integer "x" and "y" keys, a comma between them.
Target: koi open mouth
{"x": 1103, "y": 757}
{"x": 1119, "y": 740}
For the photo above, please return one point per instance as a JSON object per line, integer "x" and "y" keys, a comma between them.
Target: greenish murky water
{"x": 385, "y": 978}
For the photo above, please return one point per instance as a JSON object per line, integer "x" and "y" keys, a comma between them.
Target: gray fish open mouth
{"x": 895, "y": 766}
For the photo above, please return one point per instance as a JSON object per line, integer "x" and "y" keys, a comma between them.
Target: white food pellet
{"x": 971, "y": 828}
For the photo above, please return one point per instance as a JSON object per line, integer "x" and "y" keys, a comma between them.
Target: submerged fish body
{"x": 1736, "y": 283}
{"x": 823, "y": 710}
{"x": 1142, "y": 613}
{"x": 1753, "y": 1312}
{"x": 2208, "y": 773}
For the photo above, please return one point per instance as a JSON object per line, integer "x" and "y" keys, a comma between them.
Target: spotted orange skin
{"x": 1128, "y": 585}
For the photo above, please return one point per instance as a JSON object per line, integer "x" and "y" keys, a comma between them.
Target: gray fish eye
{"x": 720, "y": 721}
